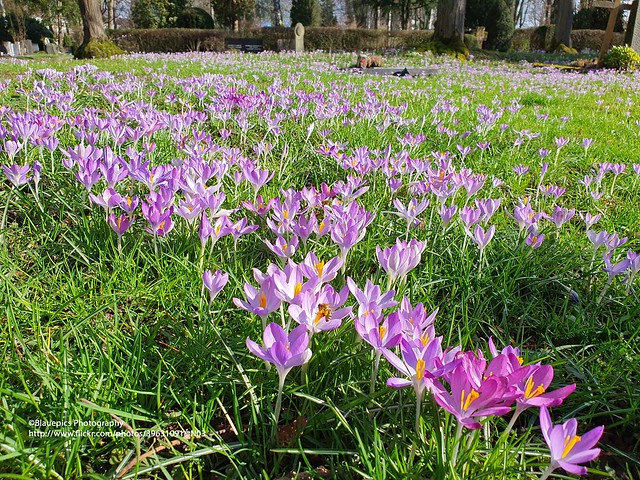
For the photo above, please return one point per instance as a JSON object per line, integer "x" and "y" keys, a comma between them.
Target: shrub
{"x": 621, "y": 58}
{"x": 541, "y": 38}
{"x": 521, "y": 41}
{"x": 193, "y": 17}
{"x": 169, "y": 40}
{"x": 596, "y": 19}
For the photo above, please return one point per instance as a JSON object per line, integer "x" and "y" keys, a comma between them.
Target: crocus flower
{"x": 282, "y": 247}
{"x": 320, "y": 312}
{"x": 411, "y": 212}
{"x": 421, "y": 364}
{"x": 447, "y": 214}
{"x": 17, "y": 174}
{"x": 534, "y": 390}
{"x": 568, "y": 449}
{"x": 482, "y": 237}
{"x": 400, "y": 259}
{"x": 468, "y": 400}
{"x": 312, "y": 267}
{"x": 371, "y": 301}
{"x": 120, "y": 223}
{"x": 214, "y": 282}
{"x": 261, "y": 301}
{"x": 283, "y": 351}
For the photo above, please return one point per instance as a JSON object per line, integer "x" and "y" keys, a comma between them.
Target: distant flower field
{"x": 263, "y": 266}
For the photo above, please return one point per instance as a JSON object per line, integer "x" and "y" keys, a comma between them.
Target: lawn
{"x": 432, "y": 259}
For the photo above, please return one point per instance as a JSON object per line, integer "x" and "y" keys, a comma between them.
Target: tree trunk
{"x": 564, "y": 19}
{"x": 449, "y": 26}
{"x": 92, "y": 24}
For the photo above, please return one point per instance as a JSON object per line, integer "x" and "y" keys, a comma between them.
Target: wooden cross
{"x": 614, "y": 7}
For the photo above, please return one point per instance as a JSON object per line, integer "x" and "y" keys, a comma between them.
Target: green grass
{"x": 89, "y": 333}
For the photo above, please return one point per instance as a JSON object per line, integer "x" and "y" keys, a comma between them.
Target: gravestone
{"x": 51, "y": 48}
{"x": 28, "y": 47}
{"x": 244, "y": 45}
{"x": 7, "y": 48}
{"x": 299, "y": 33}
{"x": 635, "y": 38}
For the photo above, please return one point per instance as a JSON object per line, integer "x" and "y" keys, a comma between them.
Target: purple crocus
{"x": 568, "y": 449}
{"x": 284, "y": 352}
{"x": 119, "y": 223}
{"x": 17, "y": 174}
{"x": 214, "y": 282}
{"x": 400, "y": 259}
{"x": 261, "y": 301}
{"x": 282, "y": 247}
{"x": 482, "y": 237}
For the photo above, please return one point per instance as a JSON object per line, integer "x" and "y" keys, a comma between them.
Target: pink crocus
{"x": 568, "y": 449}
{"x": 469, "y": 400}
{"x": 422, "y": 364}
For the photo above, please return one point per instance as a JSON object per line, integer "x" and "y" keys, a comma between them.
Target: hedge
{"x": 540, "y": 38}
{"x": 276, "y": 39}
{"x": 332, "y": 39}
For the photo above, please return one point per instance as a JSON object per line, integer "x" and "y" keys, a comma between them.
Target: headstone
{"x": 36, "y": 47}
{"x": 28, "y": 47}
{"x": 299, "y": 33}
{"x": 18, "y": 48}
{"x": 245, "y": 45}
{"x": 51, "y": 49}
{"x": 635, "y": 39}
{"x": 285, "y": 44}
{"x": 7, "y": 48}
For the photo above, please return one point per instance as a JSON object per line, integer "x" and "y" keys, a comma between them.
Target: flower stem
{"x": 456, "y": 447}
{"x": 278, "y": 407}
{"x": 546, "y": 473}
{"x": 374, "y": 375}
{"x": 414, "y": 448}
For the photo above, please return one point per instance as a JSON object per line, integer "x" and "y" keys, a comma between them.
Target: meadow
{"x": 275, "y": 266}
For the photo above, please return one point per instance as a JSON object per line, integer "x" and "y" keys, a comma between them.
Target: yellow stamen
{"x": 382, "y": 332}
{"x": 285, "y": 214}
{"x": 119, "y": 222}
{"x": 321, "y": 227}
{"x": 424, "y": 339}
{"x": 465, "y": 403}
{"x": 319, "y": 268}
{"x": 530, "y": 392}
{"x": 262, "y": 301}
{"x": 420, "y": 365}
{"x": 161, "y": 226}
{"x": 297, "y": 289}
{"x": 520, "y": 360}
{"x": 569, "y": 443}
{"x": 285, "y": 246}
{"x": 129, "y": 201}
{"x": 151, "y": 177}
